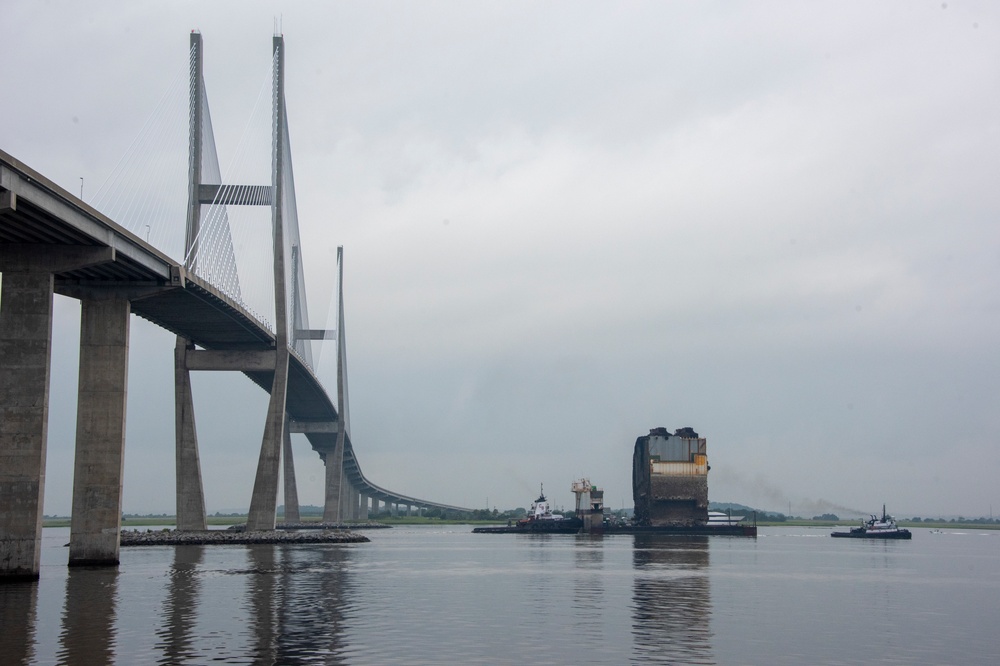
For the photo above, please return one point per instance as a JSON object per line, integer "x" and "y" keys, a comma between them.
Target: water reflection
{"x": 88, "y": 622}
{"x": 313, "y": 586}
{"x": 588, "y": 584}
{"x": 181, "y": 606}
{"x": 261, "y": 599}
{"x": 18, "y": 614}
{"x": 671, "y": 600}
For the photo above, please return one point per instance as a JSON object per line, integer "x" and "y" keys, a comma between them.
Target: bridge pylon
{"x": 336, "y": 484}
{"x": 190, "y": 492}
{"x": 190, "y": 500}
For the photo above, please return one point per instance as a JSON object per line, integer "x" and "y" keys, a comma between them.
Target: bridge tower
{"x": 190, "y": 491}
{"x": 289, "y": 298}
{"x": 336, "y": 488}
{"x": 265, "y": 487}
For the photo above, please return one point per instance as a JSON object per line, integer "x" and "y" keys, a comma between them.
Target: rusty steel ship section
{"x": 670, "y": 479}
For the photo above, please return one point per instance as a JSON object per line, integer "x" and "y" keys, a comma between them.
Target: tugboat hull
{"x": 572, "y": 527}
{"x": 899, "y": 534}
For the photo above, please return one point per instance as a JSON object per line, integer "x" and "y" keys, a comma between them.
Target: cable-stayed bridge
{"x": 119, "y": 262}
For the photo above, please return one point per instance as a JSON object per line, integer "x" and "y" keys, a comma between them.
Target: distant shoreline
{"x": 170, "y": 521}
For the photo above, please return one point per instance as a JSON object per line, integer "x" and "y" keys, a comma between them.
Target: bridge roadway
{"x": 34, "y": 211}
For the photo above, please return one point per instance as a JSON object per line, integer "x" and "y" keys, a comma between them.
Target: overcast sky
{"x": 566, "y": 223}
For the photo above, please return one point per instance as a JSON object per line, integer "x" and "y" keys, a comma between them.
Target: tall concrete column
{"x": 291, "y": 491}
{"x": 356, "y": 504}
{"x": 346, "y": 490}
{"x": 364, "y": 507}
{"x": 100, "y": 431}
{"x": 263, "y": 503}
{"x": 189, "y": 488}
{"x": 332, "y": 508}
{"x": 25, "y": 353}
{"x": 334, "y": 478}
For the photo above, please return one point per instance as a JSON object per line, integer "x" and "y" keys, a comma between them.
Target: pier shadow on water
{"x": 290, "y": 610}
{"x": 18, "y": 615}
{"x": 273, "y": 604}
{"x": 88, "y": 623}
{"x": 181, "y": 606}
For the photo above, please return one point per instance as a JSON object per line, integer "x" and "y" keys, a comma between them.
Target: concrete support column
{"x": 364, "y": 508}
{"x": 100, "y": 431}
{"x": 355, "y": 504}
{"x": 291, "y": 491}
{"x": 334, "y": 473}
{"x": 263, "y": 502}
{"x": 25, "y": 352}
{"x": 189, "y": 487}
{"x": 345, "y": 500}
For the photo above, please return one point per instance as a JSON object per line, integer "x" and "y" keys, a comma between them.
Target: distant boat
{"x": 876, "y": 528}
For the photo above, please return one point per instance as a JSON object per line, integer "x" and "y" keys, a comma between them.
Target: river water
{"x": 442, "y": 595}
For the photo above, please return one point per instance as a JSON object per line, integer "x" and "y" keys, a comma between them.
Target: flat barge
{"x": 671, "y": 530}
{"x": 590, "y": 519}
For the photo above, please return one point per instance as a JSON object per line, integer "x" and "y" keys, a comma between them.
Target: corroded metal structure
{"x": 670, "y": 478}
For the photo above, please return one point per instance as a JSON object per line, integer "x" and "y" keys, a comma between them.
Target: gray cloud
{"x": 567, "y": 224}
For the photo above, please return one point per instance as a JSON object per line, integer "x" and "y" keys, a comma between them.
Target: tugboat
{"x": 876, "y": 528}
{"x": 540, "y": 520}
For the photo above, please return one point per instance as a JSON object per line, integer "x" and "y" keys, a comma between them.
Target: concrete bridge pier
{"x": 346, "y": 490}
{"x": 100, "y": 430}
{"x": 25, "y": 354}
{"x": 190, "y": 493}
{"x": 334, "y": 474}
{"x": 355, "y": 504}
{"x": 26, "y": 297}
{"x": 263, "y": 502}
{"x": 291, "y": 491}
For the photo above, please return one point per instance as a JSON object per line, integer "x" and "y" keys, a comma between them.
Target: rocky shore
{"x": 214, "y": 537}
